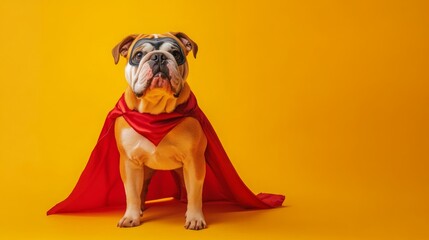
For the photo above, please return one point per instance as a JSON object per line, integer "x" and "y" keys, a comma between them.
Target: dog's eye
{"x": 138, "y": 57}
{"x": 176, "y": 54}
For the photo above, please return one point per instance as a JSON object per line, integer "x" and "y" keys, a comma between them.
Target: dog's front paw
{"x": 195, "y": 221}
{"x": 130, "y": 219}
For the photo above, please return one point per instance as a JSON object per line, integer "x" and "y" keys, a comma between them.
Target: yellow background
{"x": 323, "y": 101}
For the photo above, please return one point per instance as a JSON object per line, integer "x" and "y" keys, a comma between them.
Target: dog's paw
{"x": 129, "y": 220}
{"x": 195, "y": 221}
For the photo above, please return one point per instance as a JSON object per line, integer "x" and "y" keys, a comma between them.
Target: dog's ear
{"x": 122, "y": 47}
{"x": 188, "y": 42}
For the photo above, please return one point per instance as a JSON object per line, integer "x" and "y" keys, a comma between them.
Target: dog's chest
{"x": 165, "y": 156}
{"x": 132, "y": 141}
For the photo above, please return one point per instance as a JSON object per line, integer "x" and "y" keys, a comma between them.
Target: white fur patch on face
{"x": 138, "y": 77}
{"x": 176, "y": 79}
{"x": 166, "y": 46}
{"x": 129, "y": 74}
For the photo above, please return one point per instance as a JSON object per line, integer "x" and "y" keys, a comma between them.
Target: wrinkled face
{"x": 156, "y": 63}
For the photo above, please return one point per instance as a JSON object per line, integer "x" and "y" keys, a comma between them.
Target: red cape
{"x": 100, "y": 184}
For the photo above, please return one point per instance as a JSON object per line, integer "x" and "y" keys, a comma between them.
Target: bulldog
{"x": 157, "y": 131}
{"x": 156, "y": 73}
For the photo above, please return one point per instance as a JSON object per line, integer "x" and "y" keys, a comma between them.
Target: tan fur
{"x": 142, "y": 104}
{"x": 182, "y": 149}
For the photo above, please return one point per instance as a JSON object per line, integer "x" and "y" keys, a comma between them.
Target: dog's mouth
{"x": 160, "y": 80}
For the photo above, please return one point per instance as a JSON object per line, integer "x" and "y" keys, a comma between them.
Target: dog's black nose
{"x": 158, "y": 57}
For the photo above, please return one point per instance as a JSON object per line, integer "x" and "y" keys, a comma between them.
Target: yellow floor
{"x": 302, "y": 217}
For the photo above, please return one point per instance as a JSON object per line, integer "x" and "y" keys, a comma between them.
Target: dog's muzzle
{"x": 158, "y": 64}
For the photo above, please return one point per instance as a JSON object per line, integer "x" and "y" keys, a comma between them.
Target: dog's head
{"x": 156, "y": 62}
